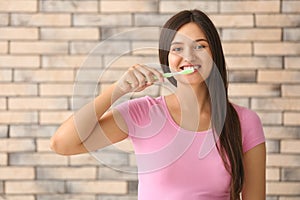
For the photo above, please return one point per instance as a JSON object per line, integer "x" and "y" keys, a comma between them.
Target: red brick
{"x": 277, "y": 20}
{"x": 250, "y": 6}
{"x": 21, "y": 6}
{"x": 127, "y": 6}
{"x": 278, "y": 76}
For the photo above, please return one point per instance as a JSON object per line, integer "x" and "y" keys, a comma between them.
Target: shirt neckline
{"x": 171, "y": 120}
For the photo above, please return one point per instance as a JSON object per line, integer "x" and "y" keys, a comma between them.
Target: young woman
{"x": 192, "y": 144}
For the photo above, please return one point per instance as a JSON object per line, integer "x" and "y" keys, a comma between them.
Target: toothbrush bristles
{"x": 187, "y": 71}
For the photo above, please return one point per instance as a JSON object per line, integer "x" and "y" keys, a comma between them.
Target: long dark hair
{"x": 230, "y": 131}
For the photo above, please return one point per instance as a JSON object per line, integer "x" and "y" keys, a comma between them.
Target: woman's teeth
{"x": 191, "y": 67}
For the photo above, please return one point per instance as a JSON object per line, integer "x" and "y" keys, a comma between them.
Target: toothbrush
{"x": 186, "y": 71}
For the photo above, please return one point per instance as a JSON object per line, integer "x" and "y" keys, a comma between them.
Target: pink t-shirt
{"x": 178, "y": 164}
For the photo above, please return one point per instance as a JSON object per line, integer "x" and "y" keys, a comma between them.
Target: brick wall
{"x": 44, "y": 44}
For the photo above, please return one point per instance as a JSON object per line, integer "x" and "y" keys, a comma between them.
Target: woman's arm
{"x": 92, "y": 127}
{"x": 76, "y": 134}
{"x": 255, "y": 173}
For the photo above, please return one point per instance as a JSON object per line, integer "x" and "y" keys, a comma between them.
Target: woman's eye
{"x": 177, "y": 49}
{"x": 199, "y": 47}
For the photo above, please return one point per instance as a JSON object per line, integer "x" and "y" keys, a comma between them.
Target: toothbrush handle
{"x": 168, "y": 75}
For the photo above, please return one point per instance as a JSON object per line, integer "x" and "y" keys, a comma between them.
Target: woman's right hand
{"x": 138, "y": 77}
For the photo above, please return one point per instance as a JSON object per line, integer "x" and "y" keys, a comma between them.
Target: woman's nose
{"x": 189, "y": 55}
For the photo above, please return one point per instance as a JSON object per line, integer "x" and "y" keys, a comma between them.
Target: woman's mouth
{"x": 195, "y": 67}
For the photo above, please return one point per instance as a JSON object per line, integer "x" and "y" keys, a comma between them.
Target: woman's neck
{"x": 193, "y": 97}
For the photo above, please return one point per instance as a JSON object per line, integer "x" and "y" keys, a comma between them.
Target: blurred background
{"x": 55, "y": 55}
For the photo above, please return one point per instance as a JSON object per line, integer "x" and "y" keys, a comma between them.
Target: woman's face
{"x": 190, "y": 48}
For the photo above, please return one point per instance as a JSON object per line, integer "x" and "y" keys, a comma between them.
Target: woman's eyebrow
{"x": 197, "y": 40}
{"x": 176, "y": 43}
{"x": 201, "y": 39}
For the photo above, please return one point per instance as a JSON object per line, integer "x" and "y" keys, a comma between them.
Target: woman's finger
{"x": 139, "y": 77}
{"x": 152, "y": 75}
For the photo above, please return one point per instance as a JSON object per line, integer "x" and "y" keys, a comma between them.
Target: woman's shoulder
{"x": 251, "y": 127}
{"x": 146, "y": 100}
{"x": 139, "y": 104}
{"x": 245, "y": 114}
{"x": 140, "y": 110}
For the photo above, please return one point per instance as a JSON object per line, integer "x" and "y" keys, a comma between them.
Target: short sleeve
{"x": 252, "y": 130}
{"x": 135, "y": 113}
{"x": 123, "y": 109}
